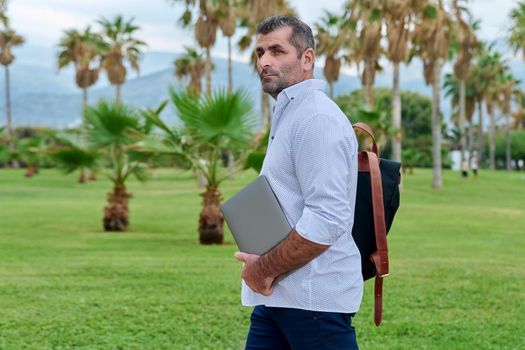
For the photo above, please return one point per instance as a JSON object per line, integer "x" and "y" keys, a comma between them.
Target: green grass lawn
{"x": 457, "y": 267}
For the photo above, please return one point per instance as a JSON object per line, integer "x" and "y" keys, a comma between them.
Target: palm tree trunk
{"x": 508, "y": 157}
{"x": 368, "y": 83}
{"x": 230, "y": 70}
{"x": 211, "y": 221}
{"x": 470, "y": 137}
{"x": 208, "y": 71}
{"x": 396, "y": 116}
{"x": 492, "y": 142}
{"x": 10, "y": 135}
{"x": 462, "y": 113}
{"x": 481, "y": 141}
{"x": 118, "y": 95}
{"x": 437, "y": 181}
{"x": 84, "y": 104}
{"x": 265, "y": 110}
{"x": 116, "y": 214}
{"x": 82, "y": 176}
{"x": 31, "y": 170}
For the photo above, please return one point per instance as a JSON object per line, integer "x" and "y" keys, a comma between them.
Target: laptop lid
{"x": 255, "y": 217}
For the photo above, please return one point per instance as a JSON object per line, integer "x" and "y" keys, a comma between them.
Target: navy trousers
{"x": 274, "y": 328}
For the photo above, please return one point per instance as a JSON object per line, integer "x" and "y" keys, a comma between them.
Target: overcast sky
{"x": 42, "y": 22}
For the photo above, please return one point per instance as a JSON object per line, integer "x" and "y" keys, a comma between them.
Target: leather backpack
{"x": 377, "y": 201}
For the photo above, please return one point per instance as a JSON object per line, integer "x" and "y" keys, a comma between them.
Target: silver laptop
{"x": 255, "y": 218}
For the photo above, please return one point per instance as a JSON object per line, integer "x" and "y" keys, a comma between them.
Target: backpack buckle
{"x": 380, "y": 260}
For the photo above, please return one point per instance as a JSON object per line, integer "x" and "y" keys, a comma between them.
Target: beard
{"x": 273, "y": 81}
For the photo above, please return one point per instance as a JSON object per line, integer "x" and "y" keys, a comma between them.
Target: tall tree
{"x": 331, "y": 35}
{"x": 205, "y": 28}
{"x": 451, "y": 86}
{"x": 228, "y": 23}
{"x": 481, "y": 76}
{"x": 432, "y": 40}
{"x": 467, "y": 42}
{"x": 191, "y": 65}
{"x": 509, "y": 90}
{"x": 519, "y": 114}
{"x": 8, "y": 39}
{"x": 369, "y": 14}
{"x": 491, "y": 67}
{"x": 206, "y": 34}
{"x": 516, "y": 34}
{"x": 251, "y": 13}
{"x": 3, "y": 13}
{"x": 399, "y": 17}
{"x": 83, "y": 50}
{"x": 120, "y": 45}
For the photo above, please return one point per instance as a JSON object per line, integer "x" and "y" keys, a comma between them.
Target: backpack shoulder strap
{"x": 380, "y": 256}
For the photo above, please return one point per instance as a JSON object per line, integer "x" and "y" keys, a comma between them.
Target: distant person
{"x": 464, "y": 168}
{"x": 311, "y": 164}
{"x": 474, "y": 163}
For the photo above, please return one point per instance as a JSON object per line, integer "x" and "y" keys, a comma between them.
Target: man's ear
{"x": 308, "y": 59}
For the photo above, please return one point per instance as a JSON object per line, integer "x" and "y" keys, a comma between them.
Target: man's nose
{"x": 264, "y": 61}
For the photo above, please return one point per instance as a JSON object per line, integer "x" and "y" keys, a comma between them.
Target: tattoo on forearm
{"x": 293, "y": 252}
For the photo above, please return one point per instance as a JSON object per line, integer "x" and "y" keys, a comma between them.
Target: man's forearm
{"x": 293, "y": 252}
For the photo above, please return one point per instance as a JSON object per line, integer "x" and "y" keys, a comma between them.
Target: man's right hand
{"x": 253, "y": 276}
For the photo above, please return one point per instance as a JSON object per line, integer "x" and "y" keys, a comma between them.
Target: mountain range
{"x": 42, "y": 96}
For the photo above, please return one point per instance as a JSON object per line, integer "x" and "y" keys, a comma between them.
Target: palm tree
{"x": 119, "y": 45}
{"x": 113, "y": 129}
{"x": 451, "y": 85}
{"x": 32, "y": 150}
{"x": 366, "y": 16}
{"x": 251, "y": 13}
{"x": 491, "y": 68}
{"x": 467, "y": 42}
{"x": 3, "y": 17}
{"x": 399, "y": 17}
{"x": 519, "y": 115}
{"x": 8, "y": 39}
{"x": 516, "y": 38}
{"x": 221, "y": 121}
{"x": 432, "y": 41}
{"x": 331, "y": 34}
{"x": 191, "y": 65}
{"x": 227, "y": 22}
{"x": 206, "y": 33}
{"x": 73, "y": 153}
{"x": 482, "y": 76}
{"x": 205, "y": 28}
{"x": 509, "y": 90}
{"x": 83, "y": 50}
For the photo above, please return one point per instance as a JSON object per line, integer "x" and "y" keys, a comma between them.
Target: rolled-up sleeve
{"x": 323, "y": 152}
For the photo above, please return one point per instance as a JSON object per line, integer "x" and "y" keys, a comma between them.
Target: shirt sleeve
{"x": 324, "y": 153}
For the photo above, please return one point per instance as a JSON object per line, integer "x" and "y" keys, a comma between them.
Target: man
{"x": 305, "y": 289}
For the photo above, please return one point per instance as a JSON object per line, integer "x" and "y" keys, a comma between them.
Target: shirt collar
{"x": 298, "y": 89}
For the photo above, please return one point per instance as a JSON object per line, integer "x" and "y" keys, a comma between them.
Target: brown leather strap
{"x": 380, "y": 256}
{"x": 378, "y": 300}
{"x": 368, "y": 130}
{"x": 369, "y": 162}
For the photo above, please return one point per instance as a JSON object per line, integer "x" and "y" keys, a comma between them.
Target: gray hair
{"x": 302, "y": 37}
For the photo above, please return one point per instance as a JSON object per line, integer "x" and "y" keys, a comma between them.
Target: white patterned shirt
{"x": 311, "y": 165}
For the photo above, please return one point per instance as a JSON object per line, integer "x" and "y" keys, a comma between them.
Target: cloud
{"x": 40, "y": 24}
